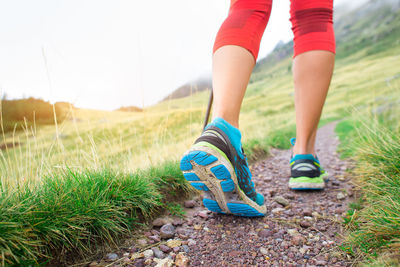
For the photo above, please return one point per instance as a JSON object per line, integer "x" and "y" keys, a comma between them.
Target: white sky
{"x": 104, "y": 54}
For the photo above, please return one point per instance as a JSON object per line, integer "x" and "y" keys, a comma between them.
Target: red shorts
{"x": 312, "y": 25}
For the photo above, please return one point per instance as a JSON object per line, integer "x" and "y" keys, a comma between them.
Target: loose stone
{"x": 148, "y": 253}
{"x": 111, "y": 257}
{"x": 158, "y": 253}
{"x": 167, "y": 231}
{"x": 189, "y": 204}
{"x": 281, "y": 200}
{"x": 159, "y": 222}
{"x": 340, "y": 196}
{"x": 263, "y": 251}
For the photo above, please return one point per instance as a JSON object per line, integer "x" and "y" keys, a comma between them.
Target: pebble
{"x": 297, "y": 240}
{"x": 281, "y": 200}
{"x": 140, "y": 263}
{"x": 165, "y": 248}
{"x": 177, "y": 222}
{"x": 315, "y": 214}
{"x": 158, "y": 253}
{"x": 189, "y": 204}
{"x": 141, "y": 242}
{"x": 340, "y": 196}
{"x": 292, "y": 232}
{"x": 186, "y": 248}
{"x": 156, "y": 238}
{"x": 148, "y": 261}
{"x": 203, "y": 214}
{"x": 159, "y": 222}
{"x": 148, "y": 253}
{"x": 307, "y": 212}
{"x": 167, "y": 262}
{"x": 174, "y": 243}
{"x": 111, "y": 257}
{"x": 191, "y": 242}
{"x": 305, "y": 224}
{"x": 277, "y": 210}
{"x": 320, "y": 263}
{"x": 263, "y": 251}
{"x": 181, "y": 260}
{"x": 167, "y": 231}
{"x": 265, "y": 233}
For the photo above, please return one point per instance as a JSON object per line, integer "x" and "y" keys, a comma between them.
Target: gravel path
{"x": 301, "y": 228}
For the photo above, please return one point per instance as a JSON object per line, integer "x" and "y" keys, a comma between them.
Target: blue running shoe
{"x": 217, "y": 165}
{"x": 306, "y": 172}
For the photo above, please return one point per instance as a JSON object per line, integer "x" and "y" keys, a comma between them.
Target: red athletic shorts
{"x": 312, "y": 25}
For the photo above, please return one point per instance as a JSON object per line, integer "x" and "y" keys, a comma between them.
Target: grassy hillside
{"x": 92, "y": 145}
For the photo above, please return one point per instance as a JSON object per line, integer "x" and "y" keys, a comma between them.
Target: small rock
{"x": 148, "y": 261}
{"x": 174, "y": 243}
{"x": 203, "y": 214}
{"x": 159, "y": 222}
{"x": 186, "y": 248}
{"x": 305, "y": 224}
{"x": 111, "y": 257}
{"x": 197, "y": 227}
{"x": 264, "y": 251}
{"x": 181, "y": 260}
{"x": 340, "y": 196}
{"x": 177, "y": 222}
{"x": 158, "y": 253}
{"x": 189, "y": 204}
{"x": 281, "y": 200}
{"x": 165, "y": 248}
{"x": 315, "y": 214}
{"x": 265, "y": 233}
{"x": 167, "y": 231}
{"x": 292, "y": 232}
{"x": 156, "y": 238}
{"x": 191, "y": 242}
{"x": 148, "y": 253}
{"x": 141, "y": 242}
{"x": 320, "y": 263}
{"x": 139, "y": 263}
{"x": 307, "y": 212}
{"x": 297, "y": 240}
{"x": 137, "y": 255}
{"x": 93, "y": 263}
{"x": 277, "y": 210}
{"x": 167, "y": 262}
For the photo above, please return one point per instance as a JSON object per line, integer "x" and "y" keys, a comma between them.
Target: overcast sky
{"x": 104, "y": 54}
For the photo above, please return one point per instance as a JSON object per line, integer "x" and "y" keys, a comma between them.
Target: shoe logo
{"x": 304, "y": 167}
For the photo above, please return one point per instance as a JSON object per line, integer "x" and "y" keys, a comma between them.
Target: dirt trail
{"x": 300, "y": 229}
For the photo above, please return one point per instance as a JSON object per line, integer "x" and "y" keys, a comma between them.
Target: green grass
{"x": 99, "y": 174}
{"x": 374, "y": 220}
{"x": 76, "y": 211}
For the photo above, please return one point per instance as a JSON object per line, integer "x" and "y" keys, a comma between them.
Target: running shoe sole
{"x": 206, "y": 169}
{"x": 307, "y": 183}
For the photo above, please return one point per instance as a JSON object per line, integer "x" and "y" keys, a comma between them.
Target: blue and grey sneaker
{"x": 306, "y": 172}
{"x": 217, "y": 165}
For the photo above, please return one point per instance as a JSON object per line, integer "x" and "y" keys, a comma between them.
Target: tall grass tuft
{"x": 375, "y": 144}
{"x": 75, "y": 211}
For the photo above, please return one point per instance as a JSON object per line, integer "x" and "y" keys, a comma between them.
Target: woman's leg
{"x": 314, "y": 48}
{"x": 312, "y": 73}
{"x": 235, "y": 53}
